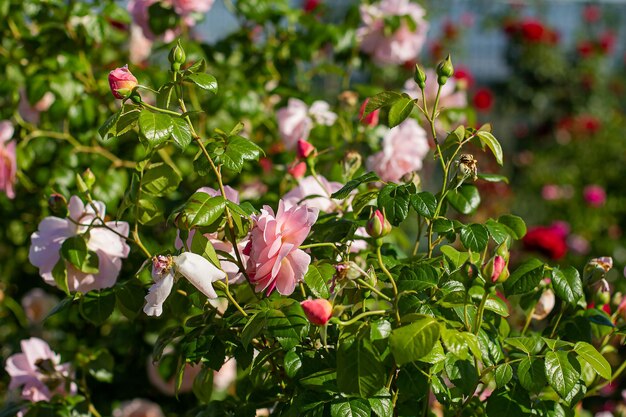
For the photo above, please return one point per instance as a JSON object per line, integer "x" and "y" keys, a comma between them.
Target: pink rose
{"x": 320, "y": 189}
{"x": 185, "y": 7}
{"x": 138, "y": 408}
{"x": 122, "y": 82}
{"x": 110, "y": 247}
{"x": 318, "y": 311}
{"x": 141, "y": 17}
{"x": 139, "y": 46}
{"x": 38, "y": 371}
{"x": 297, "y": 170}
{"x": 304, "y": 149}
{"x": 594, "y": 195}
{"x": 405, "y": 43}
{"x": 37, "y": 304}
{"x": 403, "y": 149}
{"x": 296, "y": 120}
{"x": 275, "y": 260}
{"x": 8, "y": 160}
{"x": 31, "y": 113}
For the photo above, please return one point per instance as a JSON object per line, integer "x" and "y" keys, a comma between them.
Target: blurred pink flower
{"x": 403, "y": 149}
{"x": 275, "y": 260}
{"x": 594, "y": 195}
{"x": 297, "y": 169}
{"x": 139, "y": 12}
{"x": 310, "y": 187}
{"x": 450, "y": 97}
{"x": 37, "y": 304}
{"x": 227, "y": 374}
{"x": 110, "y": 247}
{"x": 578, "y": 244}
{"x": 139, "y": 47}
{"x": 296, "y": 120}
{"x": 29, "y": 112}
{"x": 551, "y": 192}
{"x": 138, "y": 408}
{"x": 38, "y": 371}
{"x": 8, "y": 160}
{"x": 406, "y": 41}
{"x": 185, "y": 7}
{"x": 544, "y": 305}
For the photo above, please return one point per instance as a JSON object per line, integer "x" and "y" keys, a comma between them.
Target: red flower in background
{"x": 533, "y": 30}
{"x": 585, "y": 48}
{"x": 607, "y": 42}
{"x": 310, "y": 5}
{"x": 548, "y": 240}
{"x": 483, "y": 100}
{"x": 591, "y": 13}
{"x": 463, "y": 78}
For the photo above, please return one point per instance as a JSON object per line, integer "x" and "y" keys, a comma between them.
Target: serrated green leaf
{"x": 356, "y": 407}
{"x": 474, "y": 237}
{"x": 531, "y": 374}
{"x": 515, "y": 224}
{"x": 383, "y": 99}
{"x": 424, "y": 203}
{"x": 503, "y": 375}
{"x": 525, "y": 278}
{"x": 292, "y": 363}
{"x": 411, "y": 342}
{"x": 400, "y": 110}
{"x": 394, "y": 200}
{"x": 567, "y": 284}
{"x": 203, "y": 210}
{"x": 562, "y": 372}
{"x": 205, "y": 81}
{"x": 359, "y": 367}
{"x": 590, "y": 355}
{"x": 317, "y": 278}
{"x": 351, "y": 185}
{"x": 465, "y": 199}
{"x": 160, "y": 179}
{"x": 181, "y": 133}
{"x": 156, "y": 128}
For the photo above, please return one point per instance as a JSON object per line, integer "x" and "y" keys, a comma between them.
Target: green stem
{"x": 529, "y": 319}
{"x": 319, "y": 245}
{"x": 160, "y": 110}
{"x": 393, "y": 282}
{"x": 556, "y": 325}
{"x": 224, "y": 287}
{"x": 479, "y": 314}
{"x": 374, "y": 289}
{"x": 359, "y": 317}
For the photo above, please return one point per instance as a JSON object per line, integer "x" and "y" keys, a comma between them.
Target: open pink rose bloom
{"x": 109, "y": 245}
{"x": 8, "y": 162}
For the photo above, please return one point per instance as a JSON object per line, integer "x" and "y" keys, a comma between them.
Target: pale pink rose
{"x": 139, "y": 47}
{"x": 110, "y": 247}
{"x": 296, "y": 120}
{"x": 37, "y": 304}
{"x": 29, "y": 112}
{"x": 253, "y": 190}
{"x": 139, "y": 12}
{"x": 594, "y": 195}
{"x": 225, "y": 377}
{"x": 38, "y": 371}
{"x": 228, "y": 266}
{"x": 404, "y": 44}
{"x": 309, "y": 187}
{"x": 578, "y": 244}
{"x": 169, "y": 387}
{"x": 544, "y": 305}
{"x": 8, "y": 159}
{"x": 276, "y": 262}
{"x": 551, "y": 192}
{"x": 185, "y": 7}
{"x": 138, "y": 408}
{"x": 403, "y": 149}
{"x": 122, "y": 82}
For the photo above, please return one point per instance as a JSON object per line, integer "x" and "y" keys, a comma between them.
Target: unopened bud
{"x": 122, "y": 82}
{"x": 369, "y": 119}
{"x": 503, "y": 250}
{"x": 89, "y": 178}
{"x": 378, "y": 225}
{"x": 57, "y": 205}
{"x": 297, "y": 170}
{"x": 494, "y": 269}
{"x": 445, "y": 70}
{"x": 305, "y": 149}
{"x": 351, "y": 163}
{"x": 419, "y": 77}
{"x": 596, "y": 269}
{"x": 317, "y": 311}
{"x": 177, "y": 56}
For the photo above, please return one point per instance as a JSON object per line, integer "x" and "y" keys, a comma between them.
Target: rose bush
{"x": 296, "y": 241}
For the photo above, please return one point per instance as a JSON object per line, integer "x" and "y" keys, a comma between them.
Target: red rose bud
{"x": 122, "y": 82}
{"x": 304, "y": 149}
{"x": 297, "y": 170}
{"x": 378, "y": 225}
{"x": 369, "y": 119}
{"x": 317, "y": 311}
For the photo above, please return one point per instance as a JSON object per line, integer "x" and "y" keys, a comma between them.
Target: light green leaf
{"x": 411, "y": 342}
{"x": 160, "y": 179}
{"x": 181, "y": 133}
{"x": 356, "y": 407}
{"x": 317, "y": 277}
{"x": 562, "y": 372}
{"x": 515, "y": 224}
{"x": 531, "y": 374}
{"x": 400, "y": 110}
{"x": 474, "y": 237}
{"x": 156, "y": 128}
{"x": 486, "y": 138}
{"x": 204, "y": 81}
{"x": 590, "y": 355}
{"x": 465, "y": 199}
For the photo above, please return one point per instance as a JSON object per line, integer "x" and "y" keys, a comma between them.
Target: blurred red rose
{"x": 548, "y": 240}
{"x": 483, "y": 99}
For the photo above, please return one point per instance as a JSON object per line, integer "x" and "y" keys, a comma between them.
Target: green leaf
{"x": 417, "y": 278}
{"x": 411, "y": 342}
{"x": 462, "y": 373}
{"x": 515, "y": 224}
{"x": 59, "y": 273}
{"x": 160, "y": 179}
{"x": 292, "y": 363}
{"x": 351, "y": 185}
{"x": 590, "y": 355}
{"x": 381, "y": 404}
{"x": 503, "y": 375}
{"x": 287, "y": 323}
{"x": 531, "y": 374}
{"x": 96, "y": 307}
{"x": 130, "y": 298}
{"x": 424, "y": 203}
{"x": 383, "y": 99}
{"x": 465, "y": 199}
{"x": 474, "y": 237}
{"x": 156, "y": 128}
{"x": 317, "y": 277}
{"x": 128, "y": 119}
{"x": 394, "y": 200}
{"x": 237, "y": 151}
{"x": 528, "y": 345}
{"x": 562, "y": 372}
{"x": 460, "y": 343}
{"x": 456, "y": 258}
{"x": 498, "y": 232}
{"x": 493, "y": 177}
{"x": 486, "y": 138}
{"x": 148, "y": 211}
{"x": 202, "y": 246}
{"x": 497, "y": 305}
{"x": 356, "y": 407}
{"x": 507, "y": 403}
{"x": 400, "y": 110}
{"x": 567, "y": 284}
{"x": 204, "y": 81}
{"x": 108, "y": 128}
{"x": 74, "y": 250}
{"x": 253, "y": 327}
{"x": 324, "y": 380}
{"x": 101, "y": 366}
{"x": 359, "y": 367}
{"x": 181, "y": 133}
{"x": 203, "y": 210}
{"x": 525, "y": 278}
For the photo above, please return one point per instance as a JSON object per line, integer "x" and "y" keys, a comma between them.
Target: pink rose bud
{"x": 378, "y": 225}
{"x": 594, "y": 195}
{"x": 495, "y": 269}
{"x": 304, "y": 149}
{"x": 297, "y": 170}
{"x": 317, "y": 311}
{"x": 370, "y": 119}
{"x": 122, "y": 82}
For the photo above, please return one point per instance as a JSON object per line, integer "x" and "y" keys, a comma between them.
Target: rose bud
{"x": 378, "y": 225}
{"x": 177, "y": 56}
{"x": 305, "y": 149}
{"x": 445, "y": 70}
{"x": 57, "y": 205}
{"x": 597, "y": 268}
{"x": 369, "y": 119}
{"x": 297, "y": 170}
{"x": 419, "y": 77}
{"x": 318, "y": 311}
{"x": 89, "y": 178}
{"x": 494, "y": 269}
{"x": 122, "y": 82}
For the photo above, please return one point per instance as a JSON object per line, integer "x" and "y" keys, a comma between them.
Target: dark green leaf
{"x": 156, "y": 128}
{"x": 359, "y": 367}
{"x": 204, "y": 81}
{"x": 567, "y": 284}
{"x": 351, "y": 185}
{"x": 417, "y": 278}
{"x": 411, "y": 342}
{"x": 160, "y": 179}
{"x": 394, "y": 200}
{"x": 383, "y": 99}
{"x": 424, "y": 203}
{"x": 203, "y": 210}
{"x": 237, "y": 151}
{"x": 525, "y": 278}
{"x": 531, "y": 374}
{"x": 474, "y": 237}
{"x": 465, "y": 199}
{"x": 356, "y": 407}
{"x": 562, "y": 372}
{"x": 59, "y": 273}
{"x": 74, "y": 250}
{"x": 292, "y": 363}
{"x": 486, "y": 138}
{"x": 498, "y": 232}
{"x": 108, "y": 128}
{"x": 96, "y": 307}
{"x": 515, "y": 224}
{"x": 503, "y": 375}
{"x": 181, "y": 133}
